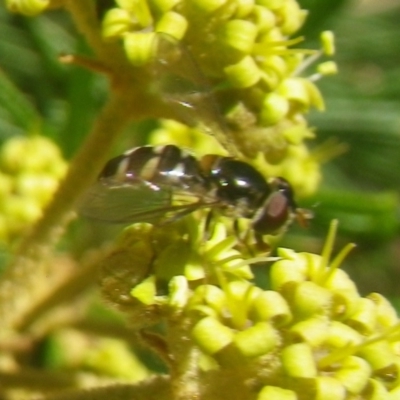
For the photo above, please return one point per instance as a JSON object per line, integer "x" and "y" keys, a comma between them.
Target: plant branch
{"x": 84, "y": 15}
{"x": 185, "y": 360}
{"x": 22, "y": 281}
{"x": 156, "y": 388}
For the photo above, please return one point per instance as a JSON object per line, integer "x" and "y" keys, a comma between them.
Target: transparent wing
{"x": 116, "y": 202}
{"x": 181, "y": 83}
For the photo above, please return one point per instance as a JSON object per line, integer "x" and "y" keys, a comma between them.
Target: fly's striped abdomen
{"x": 158, "y": 165}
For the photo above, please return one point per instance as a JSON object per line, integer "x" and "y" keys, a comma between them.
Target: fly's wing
{"x": 121, "y": 203}
{"x": 181, "y": 83}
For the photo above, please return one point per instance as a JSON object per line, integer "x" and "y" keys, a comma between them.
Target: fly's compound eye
{"x": 302, "y": 215}
{"x": 277, "y": 210}
{"x": 285, "y": 188}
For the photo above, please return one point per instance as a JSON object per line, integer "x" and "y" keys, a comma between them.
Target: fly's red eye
{"x": 274, "y": 215}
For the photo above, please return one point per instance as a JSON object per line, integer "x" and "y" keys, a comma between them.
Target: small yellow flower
{"x": 27, "y": 7}
{"x": 30, "y": 170}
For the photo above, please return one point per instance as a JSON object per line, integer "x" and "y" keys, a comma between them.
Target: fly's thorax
{"x": 236, "y": 183}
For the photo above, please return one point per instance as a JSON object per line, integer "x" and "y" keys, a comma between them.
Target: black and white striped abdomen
{"x": 167, "y": 165}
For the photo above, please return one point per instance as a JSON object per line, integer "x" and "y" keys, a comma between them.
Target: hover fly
{"x": 162, "y": 183}
{"x": 159, "y": 184}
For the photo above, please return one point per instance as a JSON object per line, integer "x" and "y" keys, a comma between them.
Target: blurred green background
{"x": 360, "y": 187}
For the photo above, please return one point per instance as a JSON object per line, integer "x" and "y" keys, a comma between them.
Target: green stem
{"x": 156, "y": 388}
{"x": 37, "y": 379}
{"x": 185, "y": 379}
{"x": 22, "y": 281}
{"x": 21, "y": 284}
{"x": 72, "y": 285}
{"x": 84, "y": 14}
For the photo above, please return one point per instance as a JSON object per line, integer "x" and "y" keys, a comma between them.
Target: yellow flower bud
{"x": 21, "y": 211}
{"x": 271, "y": 306}
{"x": 313, "y": 331}
{"x": 310, "y": 298}
{"x": 264, "y": 18}
{"x": 29, "y": 153}
{"x": 295, "y": 90}
{"x": 328, "y": 43}
{"x": 341, "y": 335}
{"x": 271, "y": 4}
{"x": 116, "y": 22}
{"x": 194, "y": 267}
{"x": 243, "y": 8}
{"x": 179, "y": 292}
{"x": 296, "y": 134}
{"x": 327, "y": 68}
{"x": 344, "y": 302}
{"x": 211, "y": 336}
{"x": 27, "y": 7}
{"x": 378, "y": 354}
{"x": 276, "y": 64}
{"x": 292, "y": 17}
{"x": 328, "y": 388}
{"x": 139, "y": 10}
{"x": 353, "y": 374}
{"x": 243, "y": 74}
{"x": 173, "y": 24}
{"x": 377, "y": 391}
{"x": 238, "y": 290}
{"x": 276, "y": 393}
{"x": 145, "y": 291}
{"x": 363, "y": 319}
{"x": 39, "y": 187}
{"x": 140, "y": 47}
{"x": 210, "y": 295}
{"x": 286, "y": 271}
{"x": 257, "y": 340}
{"x": 112, "y": 357}
{"x": 314, "y": 95}
{"x": 386, "y": 313}
{"x": 274, "y": 108}
{"x": 298, "y": 361}
{"x": 164, "y": 5}
{"x": 239, "y": 35}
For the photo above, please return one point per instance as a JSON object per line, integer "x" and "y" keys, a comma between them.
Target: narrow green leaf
{"x": 20, "y": 110}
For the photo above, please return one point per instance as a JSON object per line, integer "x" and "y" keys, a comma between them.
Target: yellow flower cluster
{"x": 146, "y": 254}
{"x": 242, "y": 47}
{"x": 310, "y": 335}
{"x": 30, "y": 169}
{"x": 311, "y": 326}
